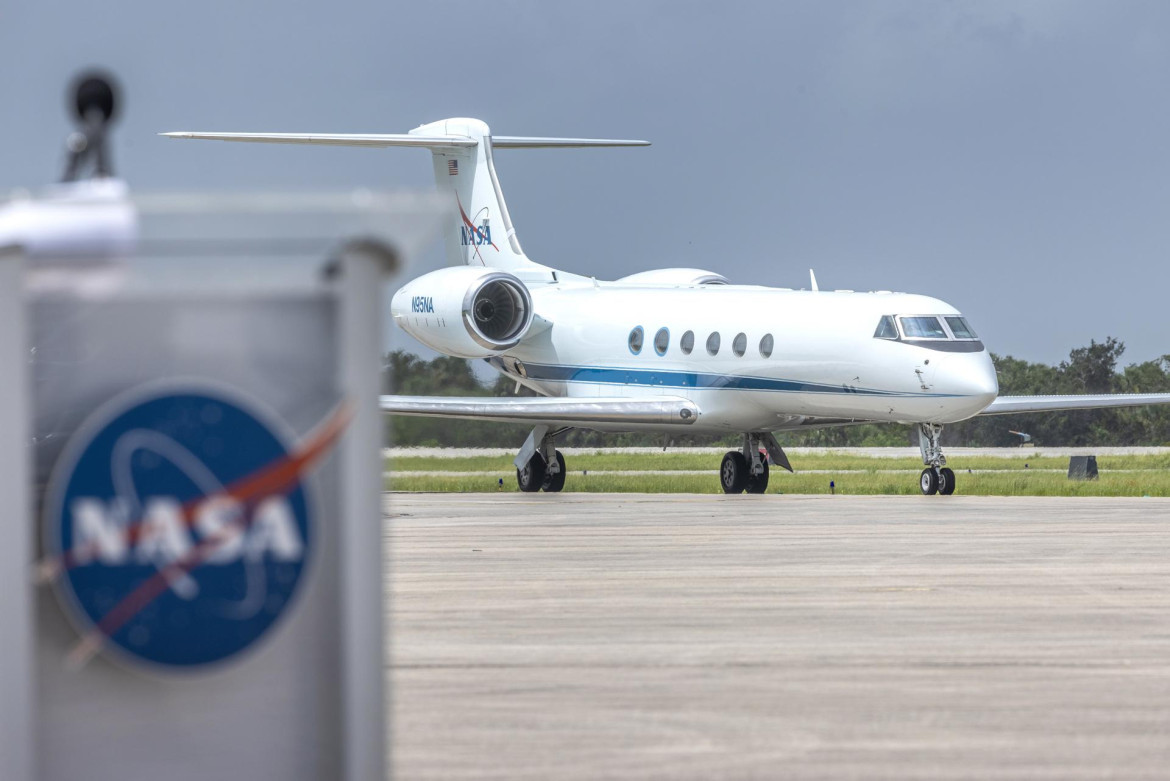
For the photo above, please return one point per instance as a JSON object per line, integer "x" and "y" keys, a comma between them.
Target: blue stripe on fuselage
{"x": 675, "y": 379}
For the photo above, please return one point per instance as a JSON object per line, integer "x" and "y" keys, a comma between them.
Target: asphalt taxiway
{"x": 650, "y": 636}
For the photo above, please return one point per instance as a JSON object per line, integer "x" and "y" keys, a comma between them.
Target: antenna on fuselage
{"x": 813, "y": 279}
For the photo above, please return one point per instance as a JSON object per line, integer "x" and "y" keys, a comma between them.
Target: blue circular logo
{"x": 180, "y": 527}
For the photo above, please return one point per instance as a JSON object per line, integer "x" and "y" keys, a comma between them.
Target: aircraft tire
{"x": 554, "y": 483}
{"x": 946, "y": 481}
{"x": 928, "y": 481}
{"x": 758, "y": 484}
{"x": 734, "y": 472}
{"x": 530, "y": 479}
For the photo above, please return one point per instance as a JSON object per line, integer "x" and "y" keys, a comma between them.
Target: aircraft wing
{"x": 1010, "y": 405}
{"x": 669, "y": 410}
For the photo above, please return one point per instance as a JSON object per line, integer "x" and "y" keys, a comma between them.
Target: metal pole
{"x": 363, "y": 269}
{"x": 16, "y": 552}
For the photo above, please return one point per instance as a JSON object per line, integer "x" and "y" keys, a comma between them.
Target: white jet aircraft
{"x": 676, "y": 348}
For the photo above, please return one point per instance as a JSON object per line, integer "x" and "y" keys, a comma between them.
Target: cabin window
{"x": 961, "y": 328}
{"x": 886, "y": 329}
{"x": 766, "y": 345}
{"x": 687, "y": 343}
{"x": 739, "y": 344}
{"x": 661, "y": 341}
{"x": 636, "y": 337}
{"x": 713, "y": 343}
{"x": 922, "y": 328}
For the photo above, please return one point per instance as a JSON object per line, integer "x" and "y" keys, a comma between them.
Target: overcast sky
{"x": 1012, "y": 158}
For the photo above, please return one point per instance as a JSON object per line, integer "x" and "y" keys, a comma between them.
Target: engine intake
{"x": 497, "y": 311}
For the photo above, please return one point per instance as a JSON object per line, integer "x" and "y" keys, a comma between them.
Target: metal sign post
{"x": 363, "y": 268}
{"x": 16, "y": 659}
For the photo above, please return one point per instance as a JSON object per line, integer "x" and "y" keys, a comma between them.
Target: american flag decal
{"x": 452, "y": 167}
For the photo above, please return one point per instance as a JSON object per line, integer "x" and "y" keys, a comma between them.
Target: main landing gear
{"x": 747, "y": 469}
{"x": 539, "y": 465}
{"x": 936, "y": 478}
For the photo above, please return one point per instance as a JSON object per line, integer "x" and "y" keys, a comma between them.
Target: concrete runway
{"x": 672, "y": 636}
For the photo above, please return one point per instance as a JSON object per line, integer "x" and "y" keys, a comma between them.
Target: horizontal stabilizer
{"x": 405, "y": 139}
{"x": 464, "y": 168}
{"x": 520, "y": 142}
{"x": 1009, "y": 405}
{"x": 335, "y": 139}
{"x": 569, "y": 411}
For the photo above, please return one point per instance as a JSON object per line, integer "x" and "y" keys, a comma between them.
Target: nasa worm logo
{"x": 472, "y": 235}
{"x": 178, "y": 526}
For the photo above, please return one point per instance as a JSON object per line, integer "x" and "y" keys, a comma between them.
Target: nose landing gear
{"x": 937, "y": 481}
{"x": 936, "y": 478}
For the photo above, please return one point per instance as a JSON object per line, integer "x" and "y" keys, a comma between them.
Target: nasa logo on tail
{"x": 472, "y": 235}
{"x": 477, "y": 236}
{"x": 179, "y": 524}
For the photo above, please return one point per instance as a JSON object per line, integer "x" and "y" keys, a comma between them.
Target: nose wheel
{"x": 937, "y": 478}
{"x": 928, "y": 481}
{"x": 937, "y": 481}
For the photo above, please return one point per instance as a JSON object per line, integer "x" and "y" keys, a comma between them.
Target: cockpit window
{"x": 960, "y": 328}
{"x": 886, "y": 329}
{"x": 941, "y": 333}
{"x": 922, "y": 328}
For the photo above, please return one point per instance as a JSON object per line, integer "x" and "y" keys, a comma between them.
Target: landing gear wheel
{"x": 530, "y": 477}
{"x": 946, "y": 481}
{"x": 928, "y": 481}
{"x": 734, "y": 473}
{"x": 555, "y": 482}
{"x": 758, "y": 484}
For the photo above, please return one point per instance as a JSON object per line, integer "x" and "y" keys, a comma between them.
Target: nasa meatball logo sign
{"x": 178, "y": 526}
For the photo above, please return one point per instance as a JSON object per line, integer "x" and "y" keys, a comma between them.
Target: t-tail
{"x": 462, "y": 148}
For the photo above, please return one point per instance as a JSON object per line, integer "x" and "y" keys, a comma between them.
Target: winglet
{"x": 813, "y": 279}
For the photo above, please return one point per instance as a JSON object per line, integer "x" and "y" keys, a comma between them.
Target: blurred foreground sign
{"x": 191, "y": 587}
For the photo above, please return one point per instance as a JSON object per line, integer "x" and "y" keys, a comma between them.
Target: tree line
{"x": 1091, "y": 369}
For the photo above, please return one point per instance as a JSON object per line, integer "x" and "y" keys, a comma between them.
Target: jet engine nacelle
{"x": 465, "y": 311}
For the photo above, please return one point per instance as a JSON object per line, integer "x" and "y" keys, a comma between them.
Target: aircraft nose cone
{"x": 974, "y": 376}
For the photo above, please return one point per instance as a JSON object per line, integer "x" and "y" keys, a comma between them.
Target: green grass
{"x": 820, "y": 461}
{"x": 1152, "y": 480}
{"x": 977, "y": 484}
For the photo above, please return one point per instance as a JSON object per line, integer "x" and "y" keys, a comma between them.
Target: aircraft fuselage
{"x": 824, "y": 361}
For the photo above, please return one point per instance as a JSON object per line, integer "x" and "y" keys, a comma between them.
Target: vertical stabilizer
{"x": 483, "y": 234}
